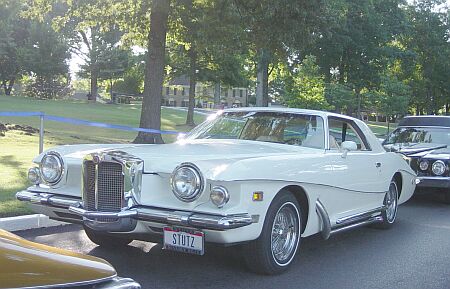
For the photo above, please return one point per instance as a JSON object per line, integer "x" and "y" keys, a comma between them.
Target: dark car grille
{"x": 109, "y": 181}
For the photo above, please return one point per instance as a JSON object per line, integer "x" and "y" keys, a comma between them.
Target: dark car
{"x": 425, "y": 143}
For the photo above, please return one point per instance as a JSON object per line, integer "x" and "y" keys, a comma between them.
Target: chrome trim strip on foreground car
{"x": 173, "y": 217}
{"x": 104, "y": 283}
{"x": 348, "y": 222}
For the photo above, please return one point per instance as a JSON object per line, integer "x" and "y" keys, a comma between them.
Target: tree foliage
{"x": 353, "y": 56}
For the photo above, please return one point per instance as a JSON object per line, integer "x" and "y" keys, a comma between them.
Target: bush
{"x": 44, "y": 89}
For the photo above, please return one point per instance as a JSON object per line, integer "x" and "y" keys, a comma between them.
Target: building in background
{"x": 176, "y": 93}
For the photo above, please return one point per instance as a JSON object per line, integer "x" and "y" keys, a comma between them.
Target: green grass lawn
{"x": 18, "y": 149}
{"x": 380, "y": 129}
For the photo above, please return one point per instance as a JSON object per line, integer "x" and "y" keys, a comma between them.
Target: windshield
{"x": 415, "y": 135}
{"x": 286, "y": 128}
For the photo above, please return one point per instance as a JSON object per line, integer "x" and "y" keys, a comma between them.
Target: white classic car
{"x": 260, "y": 177}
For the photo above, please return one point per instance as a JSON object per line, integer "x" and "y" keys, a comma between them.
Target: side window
{"x": 305, "y": 131}
{"x": 340, "y": 131}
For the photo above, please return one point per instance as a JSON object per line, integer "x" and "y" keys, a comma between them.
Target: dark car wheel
{"x": 105, "y": 239}
{"x": 391, "y": 203}
{"x": 274, "y": 250}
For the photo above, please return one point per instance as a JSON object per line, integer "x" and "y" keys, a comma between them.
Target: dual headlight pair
{"x": 50, "y": 170}
{"x": 188, "y": 184}
{"x": 438, "y": 167}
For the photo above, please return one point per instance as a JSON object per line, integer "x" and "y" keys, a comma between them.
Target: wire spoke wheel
{"x": 285, "y": 231}
{"x": 391, "y": 203}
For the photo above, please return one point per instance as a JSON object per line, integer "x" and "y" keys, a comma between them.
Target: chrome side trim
{"x": 357, "y": 217}
{"x": 325, "y": 220}
{"x": 371, "y": 220}
{"x": 346, "y": 223}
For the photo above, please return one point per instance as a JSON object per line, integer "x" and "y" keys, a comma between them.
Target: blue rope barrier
{"x": 76, "y": 121}
{"x": 21, "y": 113}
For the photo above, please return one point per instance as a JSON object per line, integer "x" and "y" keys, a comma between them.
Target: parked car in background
{"x": 260, "y": 177}
{"x": 26, "y": 264}
{"x": 425, "y": 141}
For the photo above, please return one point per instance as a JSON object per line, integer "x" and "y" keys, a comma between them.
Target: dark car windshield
{"x": 286, "y": 128}
{"x": 414, "y": 135}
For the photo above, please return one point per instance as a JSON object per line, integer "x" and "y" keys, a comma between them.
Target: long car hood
{"x": 163, "y": 158}
{"x": 28, "y": 264}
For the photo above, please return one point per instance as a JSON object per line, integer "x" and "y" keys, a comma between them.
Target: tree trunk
{"x": 93, "y": 55}
{"x": 262, "y": 80}
{"x": 192, "y": 82}
{"x": 359, "y": 98}
{"x": 217, "y": 94}
{"x": 154, "y": 72}
{"x": 94, "y": 82}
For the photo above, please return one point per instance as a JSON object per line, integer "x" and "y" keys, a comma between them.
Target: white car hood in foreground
{"x": 212, "y": 156}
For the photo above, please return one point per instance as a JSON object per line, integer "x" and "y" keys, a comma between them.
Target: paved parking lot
{"x": 413, "y": 254}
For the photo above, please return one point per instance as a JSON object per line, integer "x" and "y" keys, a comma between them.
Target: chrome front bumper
{"x": 125, "y": 220}
{"x": 119, "y": 283}
{"x": 433, "y": 182}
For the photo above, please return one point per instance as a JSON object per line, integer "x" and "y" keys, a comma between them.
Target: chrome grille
{"x": 103, "y": 186}
{"x": 110, "y": 187}
{"x": 89, "y": 185}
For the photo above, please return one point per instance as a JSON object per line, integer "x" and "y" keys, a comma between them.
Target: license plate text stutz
{"x": 183, "y": 240}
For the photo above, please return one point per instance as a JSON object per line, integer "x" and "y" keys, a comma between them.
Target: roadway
{"x": 415, "y": 253}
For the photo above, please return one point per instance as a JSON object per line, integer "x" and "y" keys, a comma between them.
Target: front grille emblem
{"x": 96, "y": 159}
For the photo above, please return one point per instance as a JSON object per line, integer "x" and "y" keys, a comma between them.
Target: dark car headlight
{"x": 438, "y": 168}
{"x": 423, "y": 165}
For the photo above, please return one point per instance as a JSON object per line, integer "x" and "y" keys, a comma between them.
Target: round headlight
{"x": 219, "y": 196}
{"x": 51, "y": 168}
{"x": 187, "y": 182}
{"x": 423, "y": 165}
{"x": 34, "y": 176}
{"x": 438, "y": 168}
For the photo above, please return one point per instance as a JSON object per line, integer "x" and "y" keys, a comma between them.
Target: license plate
{"x": 184, "y": 240}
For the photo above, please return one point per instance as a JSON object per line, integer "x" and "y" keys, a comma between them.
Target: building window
{"x": 234, "y": 92}
{"x": 167, "y": 90}
{"x": 183, "y": 92}
{"x": 241, "y": 92}
{"x": 175, "y": 91}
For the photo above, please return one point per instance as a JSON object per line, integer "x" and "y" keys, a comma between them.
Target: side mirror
{"x": 348, "y": 146}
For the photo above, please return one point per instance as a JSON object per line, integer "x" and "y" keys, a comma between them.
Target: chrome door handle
{"x": 378, "y": 164}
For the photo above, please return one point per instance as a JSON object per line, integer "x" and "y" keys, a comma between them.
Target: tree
{"x": 134, "y": 17}
{"x": 276, "y": 30}
{"x": 305, "y": 87}
{"x": 354, "y": 41}
{"x": 429, "y": 40}
{"x": 154, "y": 72}
{"x": 45, "y": 59}
{"x": 103, "y": 58}
{"x": 203, "y": 45}
{"x": 13, "y": 37}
